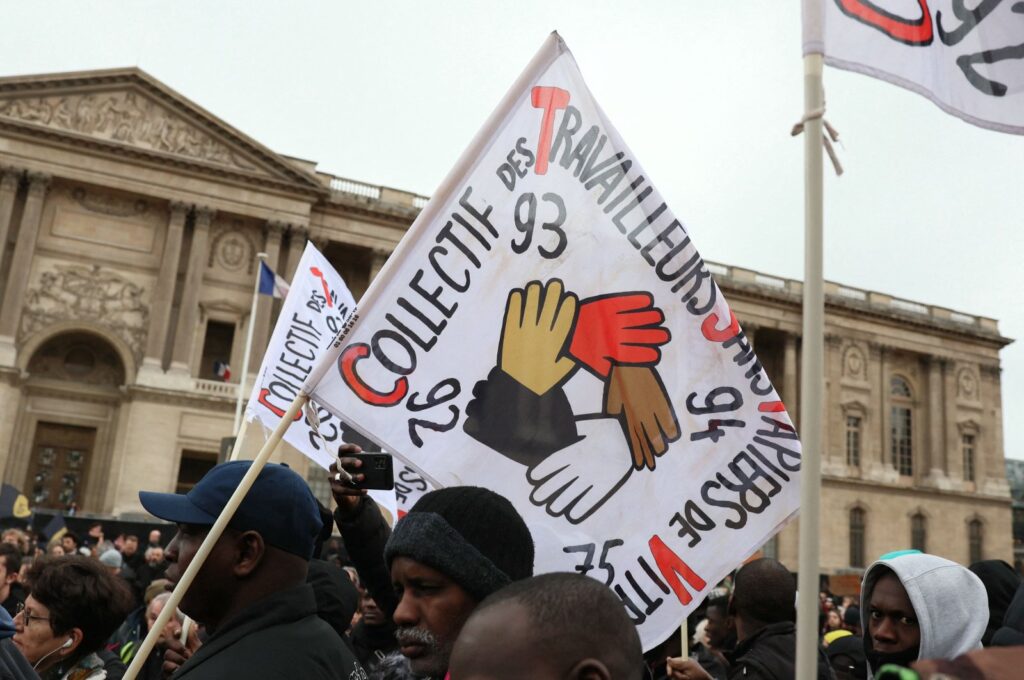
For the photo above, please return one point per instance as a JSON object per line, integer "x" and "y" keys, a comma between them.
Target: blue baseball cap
{"x": 279, "y": 506}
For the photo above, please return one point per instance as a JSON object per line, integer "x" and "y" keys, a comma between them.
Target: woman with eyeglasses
{"x": 74, "y": 605}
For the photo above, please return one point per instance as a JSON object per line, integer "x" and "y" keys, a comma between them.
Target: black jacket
{"x": 365, "y": 534}
{"x": 770, "y": 654}
{"x": 278, "y": 637}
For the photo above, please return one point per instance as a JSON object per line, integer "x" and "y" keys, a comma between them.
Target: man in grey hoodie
{"x": 919, "y": 606}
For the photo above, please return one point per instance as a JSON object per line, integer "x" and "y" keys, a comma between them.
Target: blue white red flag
{"x": 222, "y": 370}
{"x": 272, "y": 284}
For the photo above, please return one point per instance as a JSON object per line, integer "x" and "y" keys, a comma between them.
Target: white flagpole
{"x": 812, "y": 374}
{"x": 213, "y": 536}
{"x": 260, "y": 257}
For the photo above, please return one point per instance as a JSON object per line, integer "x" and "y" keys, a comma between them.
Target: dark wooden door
{"x": 57, "y": 474}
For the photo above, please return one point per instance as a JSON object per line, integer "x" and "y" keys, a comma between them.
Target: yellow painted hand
{"x": 538, "y": 323}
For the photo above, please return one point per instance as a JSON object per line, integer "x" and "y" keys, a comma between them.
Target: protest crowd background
{"x": 295, "y": 590}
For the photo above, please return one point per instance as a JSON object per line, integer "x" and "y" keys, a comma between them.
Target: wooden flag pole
{"x": 213, "y": 536}
{"x": 684, "y": 640}
{"x": 812, "y": 382}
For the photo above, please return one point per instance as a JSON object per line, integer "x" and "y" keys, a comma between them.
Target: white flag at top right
{"x": 966, "y": 56}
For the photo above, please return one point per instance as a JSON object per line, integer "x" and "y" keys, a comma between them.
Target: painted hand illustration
{"x": 538, "y": 321}
{"x": 575, "y": 482}
{"x": 637, "y": 397}
{"x": 624, "y": 328}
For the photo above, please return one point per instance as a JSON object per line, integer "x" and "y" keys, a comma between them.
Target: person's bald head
{"x": 554, "y": 626}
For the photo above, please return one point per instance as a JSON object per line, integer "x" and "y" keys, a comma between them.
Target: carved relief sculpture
{"x": 109, "y": 204}
{"x": 233, "y": 249}
{"x": 854, "y": 365}
{"x": 88, "y": 293}
{"x": 125, "y": 117}
{"x": 967, "y": 385}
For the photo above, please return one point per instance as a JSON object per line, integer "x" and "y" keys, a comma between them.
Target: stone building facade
{"x": 130, "y": 220}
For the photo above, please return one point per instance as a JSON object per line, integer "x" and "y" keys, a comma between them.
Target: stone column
{"x": 989, "y": 454}
{"x": 789, "y": 380}
{"x": 833, "y": 426}
{"x": 934, "y": 464}
{"x": 296, "y": 246}
{"x": 188, "y": 314}
{"x": 21, "y": 266}
{"x": 750, "y": 331}
{"x": 273, "y": 231}
{"x": 877, "y": 419}
{"x": 9, "y": 178}
{"x": 954, "y": 469}
{"x": 163, "y": 291}
{"x": 380, "y": 256}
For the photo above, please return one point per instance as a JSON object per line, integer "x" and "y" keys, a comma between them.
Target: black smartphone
{"x": 378, "y": 468}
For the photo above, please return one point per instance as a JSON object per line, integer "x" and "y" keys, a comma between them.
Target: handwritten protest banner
{"x": 965, "y": 57}
{"x": 548, "y": 329}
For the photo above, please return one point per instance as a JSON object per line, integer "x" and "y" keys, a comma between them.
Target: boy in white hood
{"x": 919, "y": 606}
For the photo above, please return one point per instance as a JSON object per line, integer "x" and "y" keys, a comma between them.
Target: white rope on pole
{"x": 829, "y": 135}
{"x": 213, "y": 536}
{"x": 812, "y": 392}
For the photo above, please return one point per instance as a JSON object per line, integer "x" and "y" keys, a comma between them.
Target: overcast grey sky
{"x": 705, "y": 93}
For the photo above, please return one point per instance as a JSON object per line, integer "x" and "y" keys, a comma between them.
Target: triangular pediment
{"x": 129, "y": 109}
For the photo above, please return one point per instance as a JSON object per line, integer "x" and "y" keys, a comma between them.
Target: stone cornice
{"x": 279, "y": 171}
{"x": 916, "y": 492}
{"x": 157, "y": 159}
{"x": 179, "y": 398}
{"x": 835, "y": 304}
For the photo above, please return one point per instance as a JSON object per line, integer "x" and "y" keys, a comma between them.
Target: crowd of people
{"x": 449, "y": 593}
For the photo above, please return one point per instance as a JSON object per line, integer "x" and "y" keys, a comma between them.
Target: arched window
{"x": 857, "y": 537}
{"x": 901, "y": 426}
{"x": 919, "y": 532}
{"x": 975, "y": 540}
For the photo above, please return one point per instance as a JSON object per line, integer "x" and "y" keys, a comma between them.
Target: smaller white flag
{"x": 313, "y": 312}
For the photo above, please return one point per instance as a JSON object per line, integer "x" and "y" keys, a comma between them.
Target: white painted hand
{"x": 576, "y": 481}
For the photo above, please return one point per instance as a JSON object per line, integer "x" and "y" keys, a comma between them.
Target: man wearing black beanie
{"x": 455, "y": 547}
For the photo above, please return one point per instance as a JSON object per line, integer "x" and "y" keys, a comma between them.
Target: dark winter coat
{"x": 280, "y": 636}
{"x": 770, "y": 654}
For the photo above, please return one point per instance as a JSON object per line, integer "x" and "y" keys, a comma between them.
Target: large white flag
{"x": 967, "y": 57}
{"x": 547, "y": 329}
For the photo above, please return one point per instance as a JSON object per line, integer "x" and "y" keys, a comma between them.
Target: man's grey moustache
{"x": 408, "y": 635}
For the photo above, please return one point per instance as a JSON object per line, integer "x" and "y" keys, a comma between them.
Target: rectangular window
{"x": 902, "y": 451}
{"x": 771, "y": 548}
{"x": 918, "y": 533}
{"x": 856, "y": 537}
{"x": 853, "y": 441}
{"x": 220, "y": 336}
{"x": 975, "y": 538}
{"x": 968, "y": 449}
{"x": 194, "y": 464}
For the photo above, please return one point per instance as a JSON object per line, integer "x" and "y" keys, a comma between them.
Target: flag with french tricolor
{"x": 272, "y": 284}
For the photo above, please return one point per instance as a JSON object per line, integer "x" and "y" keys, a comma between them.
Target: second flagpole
{"x": 260, "y": 259}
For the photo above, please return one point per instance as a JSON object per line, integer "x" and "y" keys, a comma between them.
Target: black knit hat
{"x": 470, "y": 534}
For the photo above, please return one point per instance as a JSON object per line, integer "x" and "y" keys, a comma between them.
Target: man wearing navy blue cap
{"x": 251, "y": 593}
